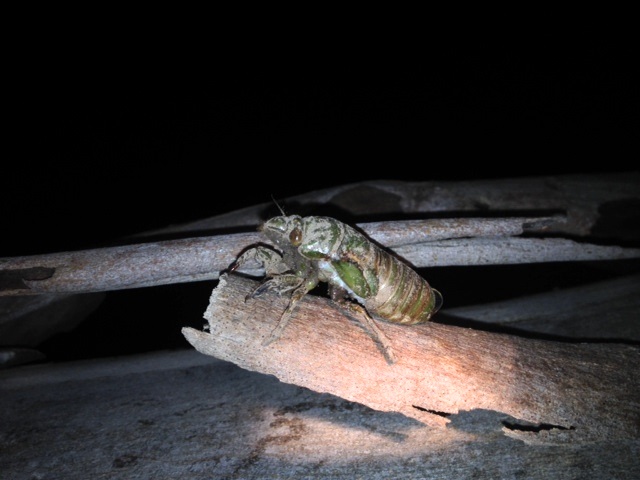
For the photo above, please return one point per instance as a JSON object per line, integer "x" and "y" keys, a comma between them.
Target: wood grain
{"x": 555, "y": 392}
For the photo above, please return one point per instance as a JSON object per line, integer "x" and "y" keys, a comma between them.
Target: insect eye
{"x": 295, "y": 237}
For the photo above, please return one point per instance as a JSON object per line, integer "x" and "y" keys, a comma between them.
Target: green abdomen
{"x": 403, "y": 296}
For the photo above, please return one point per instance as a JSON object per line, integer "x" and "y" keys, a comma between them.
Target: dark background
{"x": 97, "y": 152}
{"x": 101, "y": 151}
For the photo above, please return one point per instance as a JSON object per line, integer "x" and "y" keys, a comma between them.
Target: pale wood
{"x": 605, "y": 310}
{"x": 477, "y": 241}
{"x": 588, "y": 391}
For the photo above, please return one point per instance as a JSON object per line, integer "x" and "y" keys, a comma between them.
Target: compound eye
{"x": 295, "y": 237}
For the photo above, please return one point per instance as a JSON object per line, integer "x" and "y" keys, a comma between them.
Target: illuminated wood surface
{"x": 576, "y": 391}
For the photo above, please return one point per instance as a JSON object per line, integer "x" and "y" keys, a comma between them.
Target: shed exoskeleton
{"x": 309, "y": 250}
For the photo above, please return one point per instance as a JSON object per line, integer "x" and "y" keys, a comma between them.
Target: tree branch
{"x": 465, "y": 241}
{"x": 571, "y": 392}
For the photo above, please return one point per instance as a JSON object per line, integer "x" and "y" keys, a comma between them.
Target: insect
{"x": 309, "y": 250}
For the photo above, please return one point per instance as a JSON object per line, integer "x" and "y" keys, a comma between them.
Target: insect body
{"x": 321, "y": 249}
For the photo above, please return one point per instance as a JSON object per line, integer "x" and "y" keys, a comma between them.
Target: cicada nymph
{"x": 309, "y": 250}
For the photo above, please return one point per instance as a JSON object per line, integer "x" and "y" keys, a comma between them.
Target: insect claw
{"x": 439, "y": 301}
{"x": 275, "y": 335}
{"x": 260, "y": 290}
{"x": 269, "y": 340}
{"x": 253, "y": 294}
{"x": 277, "y": 332}
{"x": 389, "y": 355}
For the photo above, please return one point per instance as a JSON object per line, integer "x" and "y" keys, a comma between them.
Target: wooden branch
{"x": 595, "y": 206}
{"x": 571, "y": 392}
{"x": 508, "y": 251}
{"x": 196, "y": 259}
{"x": 605, "y": 310}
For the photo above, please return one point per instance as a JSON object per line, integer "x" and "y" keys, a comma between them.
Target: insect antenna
{"x": 278, "y": 205}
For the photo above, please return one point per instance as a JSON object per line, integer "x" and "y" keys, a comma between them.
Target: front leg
{"x": 274, "y": 266}
{"x": 270, "y": 259}
{"x": 280, "y": 282}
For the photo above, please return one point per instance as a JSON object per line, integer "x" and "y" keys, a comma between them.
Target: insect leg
{"x": 304, "y": 286}
{"x": 279, "y": 284}
{"x": 274, "y": 266}
{"x": 338, "y": 295}
{"x": 269, "y": 258}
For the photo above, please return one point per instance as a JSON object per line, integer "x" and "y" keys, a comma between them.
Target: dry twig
{"x": 467, "y": 241}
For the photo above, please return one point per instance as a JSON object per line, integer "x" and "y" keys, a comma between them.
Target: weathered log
{"x": 605, "y": 310}
{"x": 554, "y": 391}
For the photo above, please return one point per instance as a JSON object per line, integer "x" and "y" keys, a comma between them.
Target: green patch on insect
{"x": 362, "y": 278}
